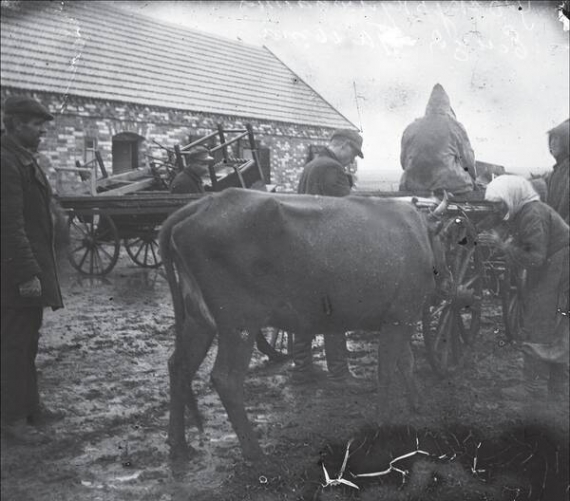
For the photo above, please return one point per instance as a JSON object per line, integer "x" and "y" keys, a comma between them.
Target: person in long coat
{"x": 436, "y": 153}
{"x": 538, "y": 241}
{"x": 325, "y": 175}
{"x": 558, "y": 184}
{"x": 29, "y": 271}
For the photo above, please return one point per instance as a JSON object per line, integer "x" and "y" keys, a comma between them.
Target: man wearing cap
{"x": 190, "y": 179}
{"x": 325, "y": 175}
{"x": 29, "y": 273}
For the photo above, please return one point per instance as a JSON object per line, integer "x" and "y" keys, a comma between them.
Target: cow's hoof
{"x": 182, "y": 453}
{"x": 254, "y": 456}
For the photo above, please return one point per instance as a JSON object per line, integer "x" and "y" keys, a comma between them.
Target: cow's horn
{"x": 441, "y": 208}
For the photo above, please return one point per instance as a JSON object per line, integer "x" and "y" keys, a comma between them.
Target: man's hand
{"x": 31, "y": 288}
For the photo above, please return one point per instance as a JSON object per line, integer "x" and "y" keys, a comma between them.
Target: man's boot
{"x": 336, "y": 354}
{"x": 19, "y": 433}
{"x": 303, "y": 370}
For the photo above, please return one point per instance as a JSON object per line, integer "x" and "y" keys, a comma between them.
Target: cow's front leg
{"x": 232, "y": 361}
{"x": 406, "y": 365}
{"x": 394, "y": 352}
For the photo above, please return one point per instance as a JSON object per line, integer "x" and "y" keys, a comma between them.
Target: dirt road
{"x": 103, "y": 361}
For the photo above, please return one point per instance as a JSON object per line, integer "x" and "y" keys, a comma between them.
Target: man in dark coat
{"x": 29, "y": 273}
{"x": 325, "y": 175}
{"x": 436, "y": 153}
{"x": 558, "y": 182}
{"x": 190, "y": 179}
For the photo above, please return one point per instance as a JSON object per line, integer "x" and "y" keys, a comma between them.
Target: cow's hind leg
{"x": 394, "y": 352}
{"x": 232, "y": 361}
{"x": 190, "y": 349}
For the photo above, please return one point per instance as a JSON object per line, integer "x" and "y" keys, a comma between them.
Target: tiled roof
{"x": 97, "y": 50}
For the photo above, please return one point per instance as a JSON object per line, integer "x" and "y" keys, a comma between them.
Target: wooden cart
{"x": 451, "y": 324}
{"x": 131, "y": 207}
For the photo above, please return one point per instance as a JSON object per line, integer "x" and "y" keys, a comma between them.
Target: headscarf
{"x": 514, "y": 191}
{"x": 439, "y": 103}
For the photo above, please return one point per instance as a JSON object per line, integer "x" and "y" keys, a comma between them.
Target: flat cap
{"x": 199, "y": 153}
{"x": 353, "y": 137}
{"x": 26, "y": 106}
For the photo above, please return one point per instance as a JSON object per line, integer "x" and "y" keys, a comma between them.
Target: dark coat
{"x": 27, "y": 233}
{"x": 187, "y": 181}
{"x": 324, "y": 175}
{"x": 559, "y": 189}
{"x": 540, "y": 244}
{"x": 435, "y": 151}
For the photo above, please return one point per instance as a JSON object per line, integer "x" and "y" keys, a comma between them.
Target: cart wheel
{"x": 450, "y": 324}
{"x": 275, "y": 343}
{"x": 93, "y": 244}
{"x": 511, "y": 302}
{"x": 144, "y": 250}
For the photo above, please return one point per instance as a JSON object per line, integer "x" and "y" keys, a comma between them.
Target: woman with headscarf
{"x": 537, "y": 240}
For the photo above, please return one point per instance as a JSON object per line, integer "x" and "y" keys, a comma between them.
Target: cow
{"x": 239, "y": 260}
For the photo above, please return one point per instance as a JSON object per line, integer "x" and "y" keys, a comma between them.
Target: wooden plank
{"x": 129, "y": 188}
{"x": 134, "y": 175}
{"x": 199, "y": 141}
{"x": 225, "y": 144}
{"x": 99, "y": 159}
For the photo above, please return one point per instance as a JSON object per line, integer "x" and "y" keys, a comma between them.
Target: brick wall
{"x": 79, "y": 118}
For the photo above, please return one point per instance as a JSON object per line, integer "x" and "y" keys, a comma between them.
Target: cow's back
{"x": 304, "y": 262}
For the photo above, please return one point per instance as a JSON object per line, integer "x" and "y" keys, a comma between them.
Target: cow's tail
{"x": 192, "y": 304}
{"x": 184, "y": 279}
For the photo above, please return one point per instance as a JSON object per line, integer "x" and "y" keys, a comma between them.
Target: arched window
{"x": 126, "y": 151}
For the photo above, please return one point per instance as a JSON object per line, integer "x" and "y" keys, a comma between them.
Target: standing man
{"x": 29, "y": 273}
{"x": 325, "y": 175}
{"x": 558, "y": 181}
{"x": 190, "y": 179}
{"x": 436, "y": 154}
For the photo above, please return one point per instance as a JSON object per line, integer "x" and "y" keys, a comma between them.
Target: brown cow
{"x": 240, "y": 260}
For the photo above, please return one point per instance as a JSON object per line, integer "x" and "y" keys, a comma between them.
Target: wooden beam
{"x": 129, "y": 188}
{"x": 132, "y": 175}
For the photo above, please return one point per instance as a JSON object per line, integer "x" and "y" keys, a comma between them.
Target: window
{"x": 90, "y": 146}
{"x": 126, "y": 147}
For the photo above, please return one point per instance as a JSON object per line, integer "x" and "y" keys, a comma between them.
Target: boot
{"x": 304, "y": 371}
{"x": 19, "y": 433}
{"x": 336, "y": 354}
{"x": 43, "y": 416}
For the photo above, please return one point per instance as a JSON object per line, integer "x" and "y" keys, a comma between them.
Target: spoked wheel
{"x": 94, "y": 244}
{"x": 451, "y": 323}
{"x": 511, "y": 302}
{"x": 143, "y": 250}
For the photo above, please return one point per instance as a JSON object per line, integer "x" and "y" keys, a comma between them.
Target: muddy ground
{"x": 103, "y": 360}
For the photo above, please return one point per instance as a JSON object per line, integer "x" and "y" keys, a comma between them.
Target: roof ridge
{"x": 176, "y": 27}
{"x": 93, "y": 50}
{"x": 317, "y": 93}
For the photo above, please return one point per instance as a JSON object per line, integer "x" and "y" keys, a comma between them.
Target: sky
{"x": 504, "y": 64}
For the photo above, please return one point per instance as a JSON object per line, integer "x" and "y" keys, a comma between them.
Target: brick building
{"x": 116, "y": 82}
